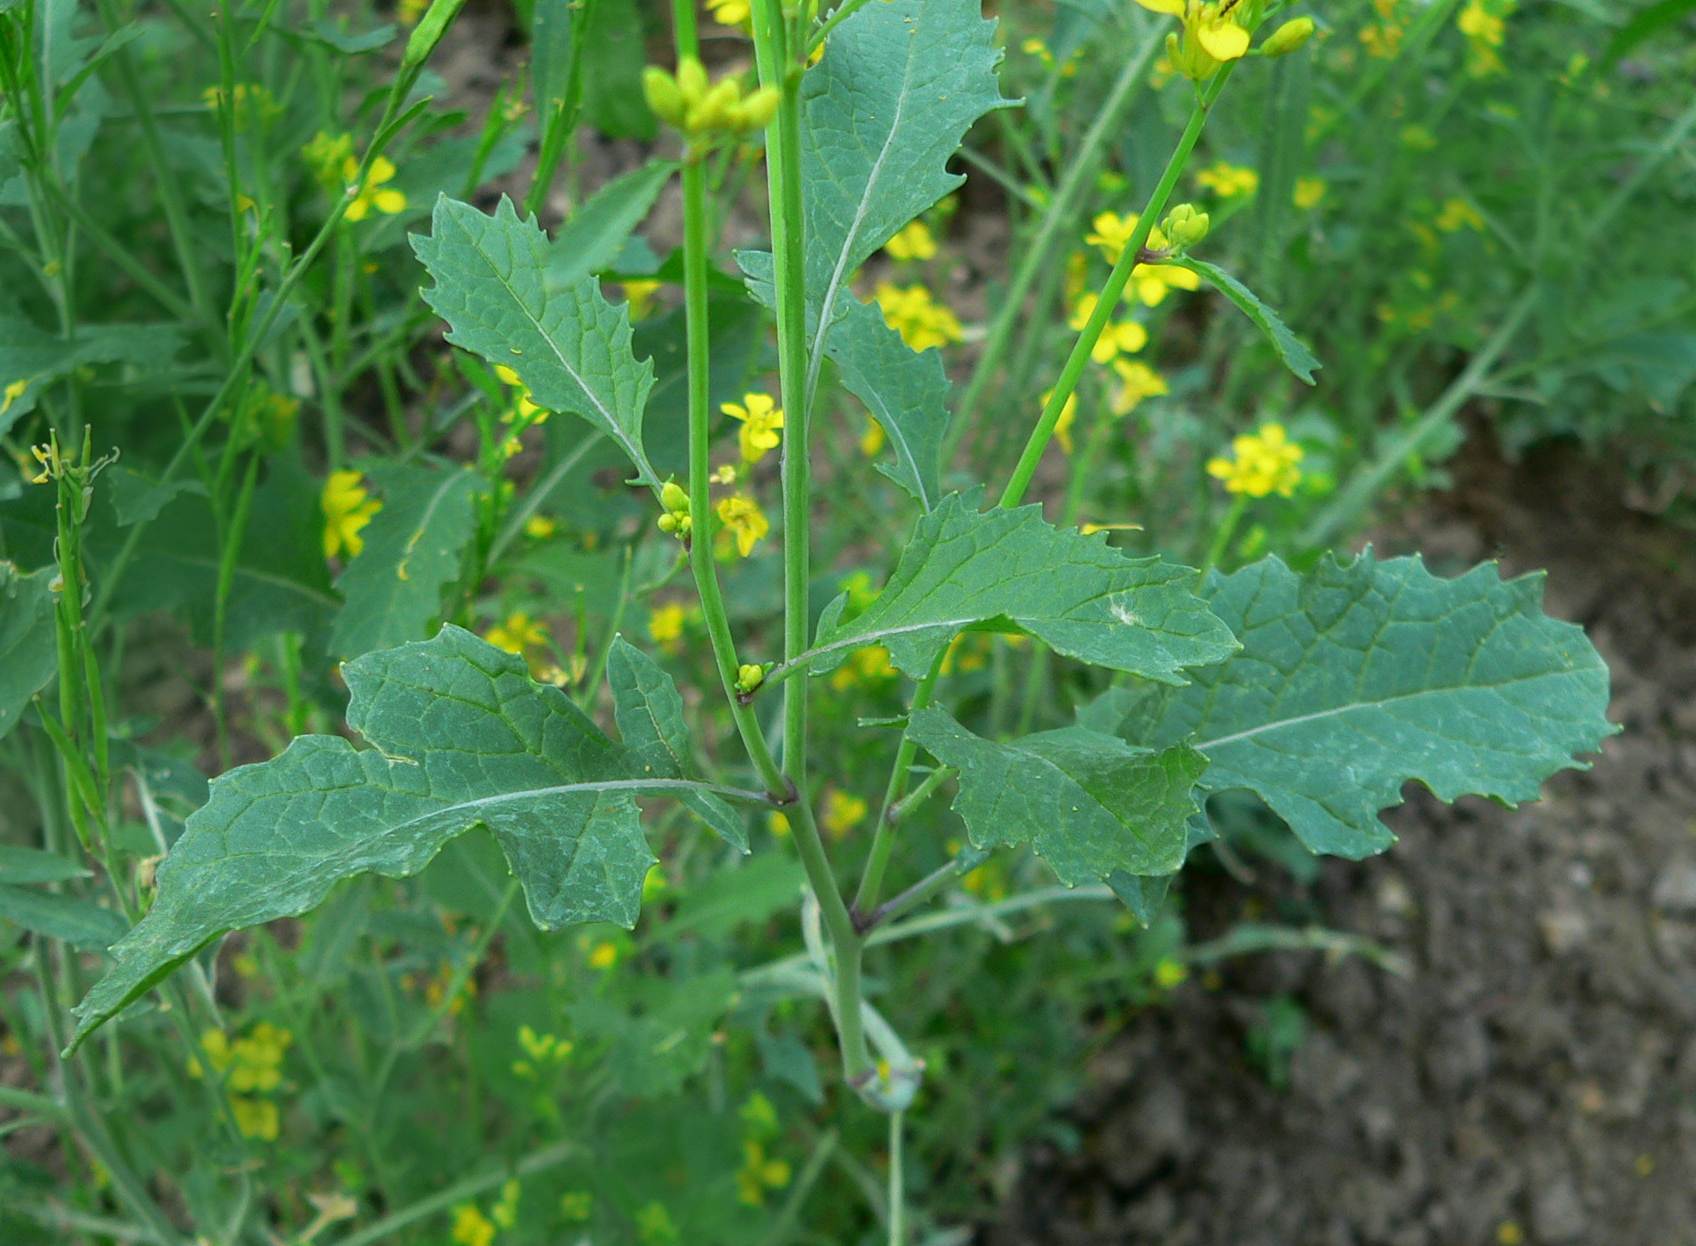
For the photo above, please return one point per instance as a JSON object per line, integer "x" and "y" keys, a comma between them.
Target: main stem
{"x": 1108, "y": 302}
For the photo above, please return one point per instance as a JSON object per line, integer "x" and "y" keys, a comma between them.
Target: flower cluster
{"x": 1229, "y": 180}
{"x": 761, "y": 418}
{"x": 1111, "y": 233}
{"x": 1211, "y": 35}
{"x": 1260, "y": 463}
{"x": 251, "y": 1069}
{"x": 691, "y": 104}
{"x": 759, "y": 1172}
{"x": 915, "y": 314}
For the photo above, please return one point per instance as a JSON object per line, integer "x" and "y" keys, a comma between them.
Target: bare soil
{"x": 1533, "y": 1078}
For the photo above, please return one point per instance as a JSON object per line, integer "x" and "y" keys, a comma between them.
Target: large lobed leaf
{"x": 963, "y": 568}
{"x": 1087, "y": 803}
{"x": 1357, "y": 677}
{"x": 568, "y": 345}
{"x": 460, "y": 737}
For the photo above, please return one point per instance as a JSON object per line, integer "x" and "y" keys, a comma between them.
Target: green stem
{"x": 1222, "y": 538}
{"x": 1108, "y": 302}
{"x": 897, "y": 1188}
{"x": 1038, "y": 255}
{"x": 883, "y": 838}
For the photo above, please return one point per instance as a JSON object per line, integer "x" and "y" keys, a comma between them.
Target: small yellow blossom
{"x": 1484, "y": 23}
{"x": 761, "y": 417}
{"x": 1211, "y": 35}
{"x": 729, "y": 12}
{"x": 256, "y": 1118}
{"x": 1261, "y": 463}
{"x": 777, "y": 822}
{"x": 372, "y": 193}
{"x": 871, "y": 441}
{"x": 913, "y": 242}
{"x": 471, "y": 1227}
{"x": 409, "y": 11}
{"x": 843, "y": 811}
{"x": 528, "y": 411}
{"x": 1068, "y": 415}
{"x": 915, "y": 314}
{"x": 517, "y": 632}
{"x": 1308, "y": 192}
{"x": 603, "y": 955}
{"x": 348, "y": 507}
{"x": 1457, "y": 214}
{"x": 13, "y": 391}
{"x": 1136, "y": 381}
{"x": 1118, "y": 337}
{"x": 640, "y": 296}
{"x": 723, "y": 474}
{"x": 1112, "y": 233}
{"x": 759, "y": 1174}
{"x": 665, "y": 626}
{"x": 864, "y": 668}
{"x": 743, "y": 519}
{"x": 1170, "y": 973}
{"x": 1229, "y": 180}
{"x": 539, "y": 527}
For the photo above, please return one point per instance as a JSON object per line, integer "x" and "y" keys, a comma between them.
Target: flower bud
{"x": 750, "y": 675}
{"x": 668, "y": 522}
{"x": 691, "y": 79}
{"x": 758, "y": 109}
{"x": 1184, "y": 226}
{"x": 674, "y": 497}
{"x": 713, "y": 110}
{"x": 1288, "y": 37}
{"x": 664, "y": 96}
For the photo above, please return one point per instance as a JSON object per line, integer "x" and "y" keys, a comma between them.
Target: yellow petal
{"x": 1224, "y": 40}
{"x": 1174, "y": 7}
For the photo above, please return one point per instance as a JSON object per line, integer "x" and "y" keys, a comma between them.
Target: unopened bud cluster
{"x": 674, "y": 501}
{"x": 1184, "y": 226}
{"x": 1288, "y": 37}
{"x": 701, "y": 109}
{"x": 749, "y": 676}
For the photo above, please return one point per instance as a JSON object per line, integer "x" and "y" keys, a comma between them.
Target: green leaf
{"x": 28, "y": 648}
{"x": 20, "y": 865}
{"x": 460, "y": 737}
{"x": 37, "y": 359}
{"x": 591, "y": 240}
{"x": 74, "y": 921}
{"x": 1291, "y": 349}
{"x": 1087, "y": 803}
{"x": 551, "y": 30}
{"x": 900, "y": 83}
{"x": 1361, "y": 676}
{"x": 414, "y": 548}
{"x": 649, "y": 712}
{"x": 615, "y": 54}
{"x": 1084, "y": 599}
{"x": 569, "y": 346}
{"x": 906, "y": 392}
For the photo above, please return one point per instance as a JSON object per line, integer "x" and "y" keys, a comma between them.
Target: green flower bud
{"x": 664, "y": 96}
{"x": 691, "y": 79}
{"x": 1288, "y": 37}
{"x": 750, "y": 675}
{"x": 668, "y": 522}
{"x": 713, "y": 110}
{"x": 756, "y": 112}
{"x": 674, "y": 498}
{"x": 1184, "y": 226}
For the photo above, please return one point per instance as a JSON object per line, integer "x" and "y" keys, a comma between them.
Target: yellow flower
{"x": 348, "y": 507}
{"x": 864, "y": 667}
{"x": 256, "y": 1118}
{"x": 528, "y": 411}
{"x": 742, "y": 518}
{"x": 761, "y": 418}
{"x": 471, "y": 1227}
{"x": 1112, "y": 233}
{"x": 1229, "y": 180}
{"x": 913, "y": 242}
{"x": 758, "y": 1174}
{"x": 517, "y": 632}
{"x": 12, "y": 392}
{"x": 912, "y": 312}
{"x": 371, "y": 194}
{"x": 1484, "y": 24}
{"x": 1458, "y": 214}
{"x": 1136, "y": 381}
{"x": 1211, "y": 35}
{"x": 871, "y": 441}
{"x": 539, "y": 527}
{"x": 729, "y": 12}
{"x": 1262, "y": 462}
{"x": 1068, "y": 415}
{"x": 843, "y": 811}
{"x": 1308, "y": 192}
{"x": 777, "y": 822}
{"x": 665, "y": 626}
{"x": 640, "y": 296}
{"x": 1118, "y": 337}
{"x": 603, "y": 955}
